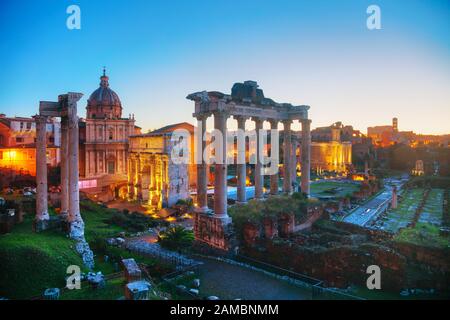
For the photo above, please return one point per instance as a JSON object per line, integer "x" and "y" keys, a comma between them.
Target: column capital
{"x": 240, "y": 118}
{"x": 258, "y": 122}
{"x": 201, "y": 116}
{"x": 273, "y": 123}
{"x": 306, "y": 121}
{"x": 287, "y": 121}
{"x": 40, "y": 118}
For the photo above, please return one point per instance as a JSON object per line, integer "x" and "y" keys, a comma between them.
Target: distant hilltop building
{"x": 18, "y": 144}
{"x": 384, "y": 136}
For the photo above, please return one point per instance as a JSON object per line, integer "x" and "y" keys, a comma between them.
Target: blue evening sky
{"x": 156, "y": 52}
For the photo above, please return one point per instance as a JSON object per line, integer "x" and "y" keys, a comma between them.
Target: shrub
{"x": 256, "y": 211}
{"x": 185, "y": 202}
{"x": 176, "y": 238}
{"x": 134, "y": 222}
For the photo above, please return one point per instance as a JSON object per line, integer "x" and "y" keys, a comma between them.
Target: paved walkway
{"x": 371, "y": 210}
{"x": 232, "y": 282}
{"x": 145, "y": 246}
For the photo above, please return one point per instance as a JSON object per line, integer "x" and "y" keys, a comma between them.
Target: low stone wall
{"x": 337, "y": 267}
{"x": 282, "y": 226}
{"x": 349, "y": 228}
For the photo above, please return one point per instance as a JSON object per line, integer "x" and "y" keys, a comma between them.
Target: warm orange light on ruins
{"x": 11, "y": 154}
{"x": 170, "y": 219}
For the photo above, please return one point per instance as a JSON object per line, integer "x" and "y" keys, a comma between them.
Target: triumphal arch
{"x": 246, "y": 102}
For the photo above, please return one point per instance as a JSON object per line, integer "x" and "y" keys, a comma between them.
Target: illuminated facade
{"x": 104, "y": 138}
{"x": 331, "y": 149}
{"x": 18, "y": 144}
{"x": 331, "y": 156}
{"x": 153, "y": 179}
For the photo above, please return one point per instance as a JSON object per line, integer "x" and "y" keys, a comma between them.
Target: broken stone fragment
{"x": 194, "y": 291}
{"x": 181, "y": 288}
{"x": 137, "y": 290}
{"x": 196, "y": 283}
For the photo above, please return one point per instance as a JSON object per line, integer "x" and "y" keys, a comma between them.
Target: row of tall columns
{"x": 220, "y": 182}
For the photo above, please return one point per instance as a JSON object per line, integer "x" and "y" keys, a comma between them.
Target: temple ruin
{"x": 245, "y": 102}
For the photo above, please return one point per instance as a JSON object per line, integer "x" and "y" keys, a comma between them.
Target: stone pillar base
{"x": 40, "y": 225}
{"x": 213, "y": 230}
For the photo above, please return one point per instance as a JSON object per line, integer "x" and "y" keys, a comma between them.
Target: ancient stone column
{"x": 394, "y": 198}
{"x": 306, "y": 155}
{"x": 220, "y": 167}
{"x": 259, "y": 178}
{"x": 139, "y": 177}
{"x": 287, "y": 178}
{"x": 76, "y": 222}
{"x": 241, "y": 161}
{"x": 202, "y": 177}
{"x": 42, "y": 216}
{"x": 294, "y": 162}
{"x": 64, "y": 151}
{"x": 130, "y": 177}
{"x": 274, "y": 178}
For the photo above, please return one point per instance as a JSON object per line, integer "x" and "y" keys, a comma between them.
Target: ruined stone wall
{"x": 337, "y": 267}
{"x": 434, "y": 257}
{"x": 349, "y": 228}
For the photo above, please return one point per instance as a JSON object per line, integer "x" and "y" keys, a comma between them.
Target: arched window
{"x": 111, "y": 134}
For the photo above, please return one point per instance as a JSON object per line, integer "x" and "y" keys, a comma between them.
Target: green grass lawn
{"x": 426, "y": 231}
{"x": 113, "y": 290}
{"x": 31, "y": 262}
{"x": 404, "y": 213}
{"x": 424, "y": 234}
{"x": 95, "y": 217}
{"x": 333, "y": 188}
{"x": 433, "y": 209}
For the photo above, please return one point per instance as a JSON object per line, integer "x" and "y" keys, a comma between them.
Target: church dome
{"x": 104, "y": 102}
